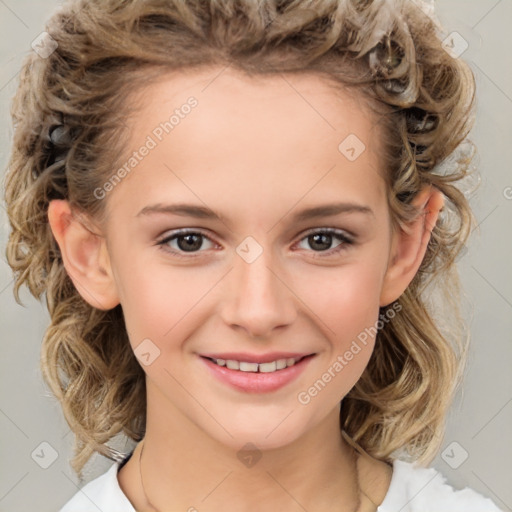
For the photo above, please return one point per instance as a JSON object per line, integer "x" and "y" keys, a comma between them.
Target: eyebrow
{"x": 201, "y": 212}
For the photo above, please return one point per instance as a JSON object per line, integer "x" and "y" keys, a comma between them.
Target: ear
{"x": 410, "y": 245}
{"x": 84, "y": 254}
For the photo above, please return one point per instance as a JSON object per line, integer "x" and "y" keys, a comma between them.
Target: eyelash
{"x": 345, "y": 240}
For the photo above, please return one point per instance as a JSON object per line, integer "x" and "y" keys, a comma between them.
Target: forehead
{"x": 269, "y": 135}
{"x": 283, "y": 98}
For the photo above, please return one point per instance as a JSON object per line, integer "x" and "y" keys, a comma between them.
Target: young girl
{"x": 237, "y": 212}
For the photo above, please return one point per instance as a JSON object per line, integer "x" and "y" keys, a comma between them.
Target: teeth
{"x": 249, "y": 367}
{"x": 268, "y": 367}
{"x": 233, "y": 365}
{"x": 243, "y": 366}
{"x": 281, "y": 363}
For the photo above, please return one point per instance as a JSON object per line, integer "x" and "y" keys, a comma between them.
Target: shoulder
{"x": 418, "y": 489}
{"x": 102, "y": 493}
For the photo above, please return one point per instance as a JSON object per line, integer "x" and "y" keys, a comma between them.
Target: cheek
{"x": 346, "y": 299}
{"x": 159, "y": 301}
{"x": 346, "y": 307}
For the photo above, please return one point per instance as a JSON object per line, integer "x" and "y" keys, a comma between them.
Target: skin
{"x": 256, "y": 151}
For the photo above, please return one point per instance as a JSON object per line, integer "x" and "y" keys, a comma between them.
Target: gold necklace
{"x": 154, "y": 509}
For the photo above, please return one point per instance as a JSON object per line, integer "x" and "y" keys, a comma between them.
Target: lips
{"x": 257, "y": 381}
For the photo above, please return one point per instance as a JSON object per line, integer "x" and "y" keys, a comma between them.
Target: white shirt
{"x": 412, "y": 489}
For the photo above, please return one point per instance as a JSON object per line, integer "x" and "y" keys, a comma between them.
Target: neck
{"x": 183, "y": 468}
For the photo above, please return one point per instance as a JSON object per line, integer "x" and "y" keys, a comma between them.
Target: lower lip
{"x": 256, "y": 382}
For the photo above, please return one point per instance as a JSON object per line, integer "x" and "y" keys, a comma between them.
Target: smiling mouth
{"x": 270, "y": 367}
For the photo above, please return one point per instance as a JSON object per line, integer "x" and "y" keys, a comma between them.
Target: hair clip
{"x": 59, "y": 135}
{"x": 60, "y": 139}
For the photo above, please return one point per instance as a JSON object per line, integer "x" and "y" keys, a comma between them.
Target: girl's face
{"x": 277, "y": 184}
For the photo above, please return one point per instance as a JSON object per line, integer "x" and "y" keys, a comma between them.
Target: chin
{"x": 270, "y": 434}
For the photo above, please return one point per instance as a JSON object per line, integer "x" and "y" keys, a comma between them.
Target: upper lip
{"x": 256, "y": 358}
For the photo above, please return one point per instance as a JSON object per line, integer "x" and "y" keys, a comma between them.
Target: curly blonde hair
{"x": 388, "y": 51}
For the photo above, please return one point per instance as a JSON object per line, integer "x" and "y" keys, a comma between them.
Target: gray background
{"x": 480, "y": 420}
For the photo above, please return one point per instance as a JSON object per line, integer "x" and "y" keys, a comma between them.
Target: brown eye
{"x": 322, "y": 241}
{"x": 190, "y": 242}
{"x": 185, "y": 242}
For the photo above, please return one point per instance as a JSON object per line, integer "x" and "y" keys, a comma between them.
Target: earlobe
{"x": 85, "y": 256}
{"x": 410, "y": 245}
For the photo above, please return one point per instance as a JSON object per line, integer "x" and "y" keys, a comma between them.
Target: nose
{"x": 259, "y": 298}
